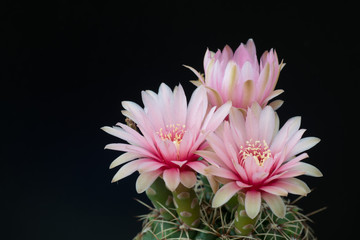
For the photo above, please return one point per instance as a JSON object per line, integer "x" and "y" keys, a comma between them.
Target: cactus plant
{"x": 221, "y": 224}
{"x": 218, "y": 167}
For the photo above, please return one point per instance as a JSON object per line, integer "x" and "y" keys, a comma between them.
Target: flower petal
{"x": 285, "y": 133}
{"x": 275, "y": 203}
{"x": 237, "y": 123}
{"x": 294, "y": 186}
{"x": 149, "y": 165}
{"x": 124, "y": 158}
{"x": 126, "y": 170}
{"x": 266, "y": 124}
{"x": 248, "y": 93}
{"x": 303, "y": 145}
{"x": 171, "y": 178}
{"x": 276, "y": 190}
{"x": 210, "y": 157}
{"x": 307, "y": 169}
{"x": 224, "y": 194}
{"x": 221, "y": 172}
{"x": 188, "y": 178}
{"x": 252, "y": 203}
{"x": 230, "y": 79}
{"x": 197, "y": 166}
{"x": 145, "y": 180}
{"x": 218, "y": 116}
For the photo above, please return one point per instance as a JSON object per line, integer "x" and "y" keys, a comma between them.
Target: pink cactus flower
{"x": 170, "y": 132}
{"x": 239, "y": 77}
{"x": 251, "y": 155}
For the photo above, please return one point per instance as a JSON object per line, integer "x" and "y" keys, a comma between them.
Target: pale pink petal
{"x": 152, "y": 108}
{"x": 226, "y": 54}
{"x": 126, "y": 170}
{"x": 188, "y": 178}
{"x": 292, "y": 162}
{"x": 214, "y": 96}
{"x": 285, "y": 133}
{"x": 210, "y": 157}
{"x": 237, "y": 123}
{"x": 180, "y": 102}
{"x": 218, "y": 116}
{"x": 136, "y": 135}
{"x": 197, "y": 166}
{"x": 229, "y": 142}
{"x": 307, "y": 169}
{"x": 275, "y": 190}
{"x": 196, "y": 109}
{"x": 263, "y": 82}
{"x": 294, "y": 186}
{"x": 208, "y": 117}
{"x": 252, "y": 125}
{"x": 247, "y": 72}
{"x": 252, "y": 203}
{"x": 241, "y": 55}
{"x": 145, "y": 180}
{"x": 274, "y": 94}
{"x": 185, "y": 147}
{"x": 254, "y": 172}
{"x": 166, "y": 147}
{"x": 124, "y": 158}
{"x": 171, "y": 178}
{"x": 149, "y": 165}
{"x": 120, "y": 133}
{"x": 275, "y": 203}
{"x": 241, "y": 171}
{"x": 179, "y": 163}
{"x": 131, "y": 148}
{"x": 134, "y": 109}
{"x": 221, "y": 172}
{"x": 266, "y": 124}
{"x": 230, "y": 79}
{"x": 303, "y": 145}
{"x": 166, "y": 100}
{"x": 242, "y": 184}
{"x": 292, "y": 142}
{"x": 276, "y": 104}
{"x": 248, "y": 93}
{"x": 217, "y": 145}
{"x": 224, "y": 194}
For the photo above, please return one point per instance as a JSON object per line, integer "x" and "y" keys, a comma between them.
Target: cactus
{"x": 229, "y": 135}
{"x": 222, "y": 223}
{"x": 187, "y": 205}
{"x": 161, "y": 198}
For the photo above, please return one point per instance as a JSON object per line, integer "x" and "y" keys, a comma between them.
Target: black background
{"x": 65, "y": 67}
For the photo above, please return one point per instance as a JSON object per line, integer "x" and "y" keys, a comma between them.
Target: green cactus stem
{"x": 161, "y": 197}
{"x": 232, "y": 204}
{"x": 244, "y": 225}
{"x": 187, "y": 205}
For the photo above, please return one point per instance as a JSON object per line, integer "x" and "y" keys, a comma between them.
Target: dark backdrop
{"x": 66, "y": 66}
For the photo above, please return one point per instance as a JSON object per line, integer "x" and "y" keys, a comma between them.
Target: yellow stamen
{"x": 260, "y": 151}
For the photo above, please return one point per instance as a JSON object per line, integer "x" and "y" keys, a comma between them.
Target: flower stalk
{"x": 187, "y": 205}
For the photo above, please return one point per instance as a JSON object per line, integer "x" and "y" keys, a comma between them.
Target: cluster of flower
{"x": 228, "y": 132}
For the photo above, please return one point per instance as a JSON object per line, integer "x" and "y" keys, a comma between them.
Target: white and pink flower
{"x": 239, "y": 76}
{"x": 251, "y": 155}
{"x": 170, "y": 132}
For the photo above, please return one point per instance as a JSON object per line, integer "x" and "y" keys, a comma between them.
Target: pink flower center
{"x": 258, "y": 150}
{"x": 172, "y": 132}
